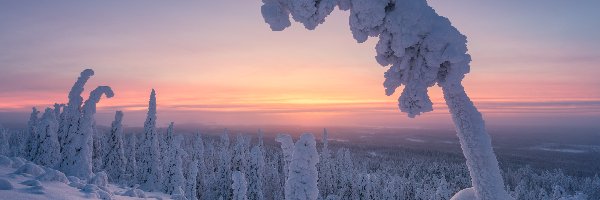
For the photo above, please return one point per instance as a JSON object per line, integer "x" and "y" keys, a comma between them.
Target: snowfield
{"x": 18, "y": 181}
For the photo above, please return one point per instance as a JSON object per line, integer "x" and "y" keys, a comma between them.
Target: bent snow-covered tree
{"x": 76, "y": 127}
{"x": 423, "y": 49}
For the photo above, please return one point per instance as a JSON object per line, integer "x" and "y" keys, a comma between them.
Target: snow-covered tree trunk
{"x": 302, "y": 181}
{"x": 150, "y": 165}
{"x": 47, "y": 152}
{"x": 239, "y": 186}
{"x": 115, "y": 161}
{"x": 476, "y": 144}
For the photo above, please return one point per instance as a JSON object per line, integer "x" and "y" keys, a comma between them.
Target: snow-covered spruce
{"x": 32, "y": 136}
{"x": 223, "y": 177}
{"x": 173, "y": 173}
{"x": 302, "y": 181}
{"x": 287, "y": 146}
{"x": 191, "y": 188}
{"x": 47, "y": 151}
{"x": 79, "y": 151}
{"x": 69, "y": 119}
{"x": 4, "y": 142}
{"x": 114, "y": 160}
{"x": 256, "y": 174}
{"x": 239, "y": 186}
{"x": 149, "y": 159}
{"x": 326, "y": 171}
{"x": 422, "y": 49}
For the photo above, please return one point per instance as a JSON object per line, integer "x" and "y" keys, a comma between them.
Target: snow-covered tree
{"x": 98, "y": 153}
{"x": 241, "y": 150}
{"x": 223, "y": 179}
{"x": 302, "y": 181}
{"x": 423, "y": 49}
{"x": 256, "y": 174}
{"x": 191, "y": 189}
{"x": 71, "y": 115}
{"x": 131, "y": 168}
{"x": 239, "y": 186}
{"x": 32, "y": 136}
{"x": 198, "y": 156}
{"x": 287, "y": 146}
{"x": 4, "y": 142}
{"x": 78, "y": 158}
{"x": 149, "y": 160}
{"x": 114, "y": 160}
{"x": 47, "y": 152}
{"x": 173, "y": 176}
{"x": 166, "y": 145}
{"x": 326, "y": 172}
{"x": 76, "y": 127}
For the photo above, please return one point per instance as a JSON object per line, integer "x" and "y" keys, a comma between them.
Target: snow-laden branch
{"x": 413, "y": 40}
{"x": 75, "y": 99}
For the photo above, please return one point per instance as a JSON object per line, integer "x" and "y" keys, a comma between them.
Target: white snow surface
{"x": 27, "y": 187}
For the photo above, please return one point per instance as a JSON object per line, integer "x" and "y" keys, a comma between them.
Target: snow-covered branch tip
{"x": 75, "y": 99}
{"x": 421, "y": 47}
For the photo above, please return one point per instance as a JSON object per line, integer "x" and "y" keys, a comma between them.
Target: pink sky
{"x": 218, "y": 63}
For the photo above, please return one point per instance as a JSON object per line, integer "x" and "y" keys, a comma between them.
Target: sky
{"x": 217, "y": 62}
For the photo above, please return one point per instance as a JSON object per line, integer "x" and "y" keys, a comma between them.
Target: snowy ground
{"x": 30, "y": 186}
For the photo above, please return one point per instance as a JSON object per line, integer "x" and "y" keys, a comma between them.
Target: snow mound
{"x": 31, "y": 169}
{"x": 178, "y": 194}
{"x": 75, "y": 182}
{"x": 465, "y": 194}
{"x": 18, "y": 162}
{"x": 5, "y": 161}
{"x": 32, "y": 182}
{"x": 5, "y": 185}
{"x": 36, "y": 190}
{"x": 134, "y": 192}
{"x": 53, "y": 175}
{"x": 100, "y": 179}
